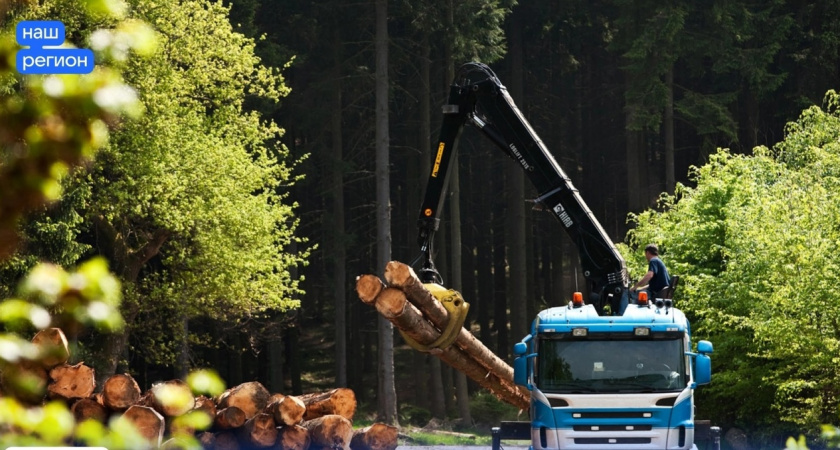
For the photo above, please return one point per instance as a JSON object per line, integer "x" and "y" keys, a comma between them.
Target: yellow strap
{"x": 457, "y": 308}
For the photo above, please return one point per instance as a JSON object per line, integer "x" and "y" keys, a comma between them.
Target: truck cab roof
{"x": 565, "y": 318}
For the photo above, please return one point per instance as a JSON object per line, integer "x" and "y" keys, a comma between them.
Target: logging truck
{"x": 614, "y": 370}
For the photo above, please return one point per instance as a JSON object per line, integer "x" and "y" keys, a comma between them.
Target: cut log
{"x": 207, "y": 440}
{"x": 473, "y": 362}
{"x": 230, "y": 417}
{"x": 206, "y": 404}
{"x": 172, "y": 398}
{"x": 88, "y": 408}
{"x": 148, "y": 422}
{"x": 293, "y": 437}
{"x": 52, "y": 346}
{"x": 288, "y": 411}
{"x": 403, "y": 277}
{"x": 330, "y": 432}
{"x": 259, "y": 431}
{"x": 71, "y": 382}
{"x": 226, "y": 440}
{"x": 368, "y": 287}
{"x": 251, "y": 398}
{"x": 26, "y": 381}
{"x": 341, "y": 401}
{"x": 120, "y": 391}
{"x": 275, "y": 398}
{"x": 378, "y": 436}
{"x": 176, "y": 443}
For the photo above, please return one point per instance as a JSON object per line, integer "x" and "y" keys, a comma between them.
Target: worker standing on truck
{"x": 657, "y": 277}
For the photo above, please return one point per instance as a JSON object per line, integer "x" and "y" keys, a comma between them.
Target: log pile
{"x": 246, "y": 416}
{"x": 413, "y": 309}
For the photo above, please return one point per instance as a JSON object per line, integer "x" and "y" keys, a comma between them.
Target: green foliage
{"x": 756, "y": 245}
{"x": 189, "y": 200}
{"x": 487, "y": 410}
{"x": 476, "y": 32}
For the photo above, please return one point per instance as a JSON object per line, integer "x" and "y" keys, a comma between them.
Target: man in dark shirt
{"x": 657, "y": 277}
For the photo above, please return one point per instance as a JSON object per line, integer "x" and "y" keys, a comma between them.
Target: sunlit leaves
{"x": 206, "y": 382}
{"x": 757, "y": 245}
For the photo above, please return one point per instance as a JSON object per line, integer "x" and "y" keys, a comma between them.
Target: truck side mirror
{"x": 705, "y": 347}
{"x": 520, "y": 371}
{"x": 520, "y": 365}
{"x": 702, "y": 369}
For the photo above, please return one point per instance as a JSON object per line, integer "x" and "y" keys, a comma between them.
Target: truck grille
{"x": 611, "y": 441}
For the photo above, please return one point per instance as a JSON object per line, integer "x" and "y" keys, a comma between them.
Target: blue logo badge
{"x": 40, "y": 60}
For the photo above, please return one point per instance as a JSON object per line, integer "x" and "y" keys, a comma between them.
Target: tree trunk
{"x": 461, "y": 391}
{"x": 339, "y": 251}
{"x": 387, "y": 389}
{"x": 293, "y": 357}
{"x": 515, "y": 195}
{"x": 668, "y": 124}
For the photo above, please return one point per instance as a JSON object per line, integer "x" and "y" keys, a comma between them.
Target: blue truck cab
{"x": 622, "y": 382}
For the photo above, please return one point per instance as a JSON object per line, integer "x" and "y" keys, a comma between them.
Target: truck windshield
{"x": 593, "y": 366}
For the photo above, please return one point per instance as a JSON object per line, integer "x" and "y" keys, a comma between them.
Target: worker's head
{"x": 651, "y": 250}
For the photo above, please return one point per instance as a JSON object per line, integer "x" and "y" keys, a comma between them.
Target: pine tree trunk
{"x": 515, "y": 194}
{"x": 339, "y": 251}
{"x": 668, "y": 124}
{"x": 387, "y": 389}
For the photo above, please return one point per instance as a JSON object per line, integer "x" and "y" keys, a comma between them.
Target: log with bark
{"x": 329, "y": 432}
{"x": 206, "y": 404}
{"x": 52, "y": 346}
{"x": 172, "y": 398}
{"x": 368, "y": 286}
{"x": 120, "y": 391}
{"x": 230, "y": 417}
{"x": 379, "y": 436}
{"x": 287, "y": 411}
{"x": 293, "y": 437}
{"x": 25, "y": 380}
{"x": 226, "y": 440}
{"x": 71, "y": 382}
{"x": 259, "y": 431}
{"x": 403, "y": 277}
{"x": 148, "y": 422}
{"x": 251, "y": 398}
{"x": 207, "y": 439}
{"x": 341, "y": 401}
{"x": 468, "y": 355}
{"x": 88, "y": 408}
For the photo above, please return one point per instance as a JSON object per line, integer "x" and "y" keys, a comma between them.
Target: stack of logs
{"x": 246, "y": 416}
{"x": 415, "y": 311}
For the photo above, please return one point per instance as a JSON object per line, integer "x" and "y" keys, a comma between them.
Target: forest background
{"x": 235, "y": 238}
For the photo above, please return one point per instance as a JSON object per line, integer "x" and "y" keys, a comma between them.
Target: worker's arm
{"x": 644, "y": 281}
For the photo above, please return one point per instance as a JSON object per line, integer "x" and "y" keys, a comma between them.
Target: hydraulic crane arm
{"x": 477, "y": 97}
